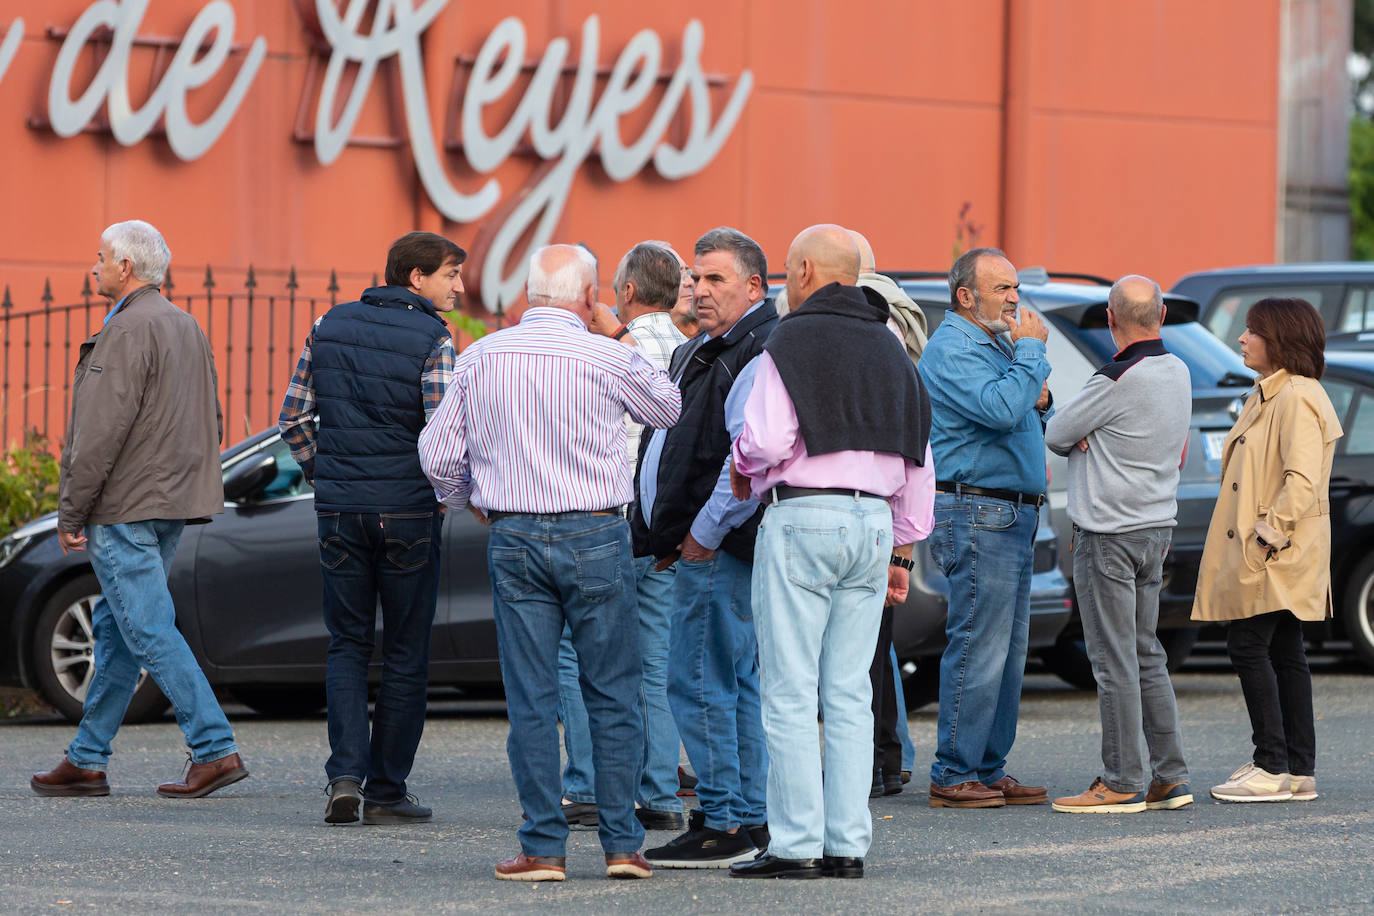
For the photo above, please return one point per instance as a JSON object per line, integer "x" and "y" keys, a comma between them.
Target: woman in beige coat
{"x": 1267, "y": 563}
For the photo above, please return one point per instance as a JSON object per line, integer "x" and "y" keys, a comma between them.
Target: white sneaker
{"x": 1252, "y": 784}
{"x": 1304, "y": 788}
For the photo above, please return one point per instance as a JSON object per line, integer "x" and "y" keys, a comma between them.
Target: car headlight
{"x": 10, "y": 548}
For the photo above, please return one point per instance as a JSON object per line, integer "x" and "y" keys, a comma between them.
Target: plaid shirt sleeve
{"x": 297, "y": 418}
{"x": 438, "y": 371}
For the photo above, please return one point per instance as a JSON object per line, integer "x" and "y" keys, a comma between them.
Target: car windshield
{"x": 1210, "y": 362}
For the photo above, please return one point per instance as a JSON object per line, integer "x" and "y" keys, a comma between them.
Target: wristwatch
{"x": 903, "y": 562}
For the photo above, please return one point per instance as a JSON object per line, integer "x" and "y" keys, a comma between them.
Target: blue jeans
{"x": 713, "y": 688}
{"x": 984, "y": 546}
{"x": 658, "y": 786}
{"x": 365, "y": 557}
{"x": 1117, "y": 578}
{"x": 572, "y": 569}
{"x": 134, "y": 626}
{"x": 903, "y": 726}
{"x": 820, "y": 577}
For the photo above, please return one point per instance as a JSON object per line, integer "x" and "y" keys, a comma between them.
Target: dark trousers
{"x": 1267, "y": 654}
{"x": 364, "y": 557}
{"x": 887, "y": 745}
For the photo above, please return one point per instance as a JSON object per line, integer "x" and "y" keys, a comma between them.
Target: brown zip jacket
{"x": 145, "y": 426}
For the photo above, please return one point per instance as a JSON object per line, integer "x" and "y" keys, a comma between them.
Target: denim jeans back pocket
{"x": 407, "y": 538}
{"x": 938, "y": 542}
{"x": 332, "y": 552}
{"x": 142, "y": 533}
{"x": 598, "y": 571}
{"x": 811, "y": 555}
{"x": 510, "y": 572}
{"x": 994, "y": 516}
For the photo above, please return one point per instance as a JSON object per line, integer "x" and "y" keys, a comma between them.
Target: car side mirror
{"x": 250, "y": 476}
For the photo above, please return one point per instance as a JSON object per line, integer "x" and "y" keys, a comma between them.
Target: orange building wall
{"x": 1125, "y": 137}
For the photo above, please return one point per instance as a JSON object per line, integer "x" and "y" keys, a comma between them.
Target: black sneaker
{"x": 702, "y": 847}
{"x": 580, "y": 814}
{"x": 759, "y": 835}
{"x": 406, "y": 811}
{"x": 660, "y": 820}
{"x": 344, "y": 798}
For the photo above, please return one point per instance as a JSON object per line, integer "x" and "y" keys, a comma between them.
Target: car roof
{"x": 1322, "y": 269}
{"x": 1355, "y": 361}
{"x": 1080, "y": 303}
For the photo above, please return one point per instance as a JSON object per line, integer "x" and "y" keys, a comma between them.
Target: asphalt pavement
{"x": 261, "y": 845}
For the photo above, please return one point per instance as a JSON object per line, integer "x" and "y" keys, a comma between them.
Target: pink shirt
{"x": 770, "y": 451}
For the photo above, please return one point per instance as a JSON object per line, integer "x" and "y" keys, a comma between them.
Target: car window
{"x": 1357, "y": 311}
{"x": 1226, "y": 315}
{"x": 1341, "y": 394}
{"x": 1359, "y": 432}
{"x": 290, "y": 479}
{"x": 1209, "y": 362}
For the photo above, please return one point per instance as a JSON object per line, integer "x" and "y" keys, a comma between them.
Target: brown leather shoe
{"x": 627, "y": 865}
{"x": 533, "y": 868}
{"x": 971, "y": 794}
{"x": 203, "y": 778}
{"x": 1017, "y": 794}
{"x": 66, "y": 779}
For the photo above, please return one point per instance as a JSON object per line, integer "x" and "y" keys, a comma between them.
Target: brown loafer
{"x": 203, "y": 778}
{"x": 627, "y": 865}
{"x": 971, "y": 794}
{"x": 1017, "y": 794}
{"x": 533, "y": 868}
{"x": 66, "y": 779}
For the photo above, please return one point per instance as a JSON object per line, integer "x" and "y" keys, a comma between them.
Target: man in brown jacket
{"x": 140, "y": 461}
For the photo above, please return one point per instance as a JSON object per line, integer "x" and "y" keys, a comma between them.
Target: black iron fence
{"x": 256, "y": 336}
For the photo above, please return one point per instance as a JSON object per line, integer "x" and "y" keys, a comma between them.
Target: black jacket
{"x": 695, "y": 449}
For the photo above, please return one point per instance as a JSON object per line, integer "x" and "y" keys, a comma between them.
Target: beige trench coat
{"x": 1275, "y": 473}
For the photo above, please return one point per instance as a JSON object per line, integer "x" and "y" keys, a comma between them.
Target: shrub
{"x": 28, "y": 482}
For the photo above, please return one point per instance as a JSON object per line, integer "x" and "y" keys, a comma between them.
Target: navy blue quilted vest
{"x": 366, "y": 360}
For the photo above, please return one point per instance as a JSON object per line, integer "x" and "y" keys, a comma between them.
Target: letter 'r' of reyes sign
{"x": 586, "y": 121}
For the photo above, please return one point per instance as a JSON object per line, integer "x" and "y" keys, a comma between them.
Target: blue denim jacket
{"x": 986, "y": 431}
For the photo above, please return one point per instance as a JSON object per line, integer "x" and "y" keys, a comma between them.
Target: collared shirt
{"x": 657, "y": 337}
{"x": 718, "y": 509}
{"x": 770, "y": 451}
{"x": 722, "y": 511}
{"x": 985, "y": 429}
{"x": 118, "y": 305}
{"x": 534, "y": 417}
{"x": 297, "y": 418}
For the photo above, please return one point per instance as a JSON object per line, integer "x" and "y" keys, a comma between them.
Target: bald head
{"x": 819, "y": 255}
{"x": 867, "y": 262}
{"x": 1136, "y": 306}
{"x": 563, "y": 276}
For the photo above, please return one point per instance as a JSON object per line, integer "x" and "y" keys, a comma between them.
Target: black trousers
{"x": 1267, "y": 653}
{"x": 887, "y": 745}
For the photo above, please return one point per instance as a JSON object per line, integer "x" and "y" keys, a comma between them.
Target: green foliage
{"x": 28, "y": 483}
{"x": 463, "y": 322}
{"x": 1361, "y": 188}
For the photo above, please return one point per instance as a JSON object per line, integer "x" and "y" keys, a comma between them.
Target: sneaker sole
{"x": 1276, "y": 797}
{"x": 540, "y": 874}
{"x": 703, "y": 863}
{"x": 625, "y": 870}
{"x": 1305, "y": 796}
{"x": 1133, "y": 808}
{"x": 1169, "y": 804}
{"x": 342, "y": 810}
{"x": 76, "y": 791}
{"x": 378, "y": 820}
{"x": 227, "y": 779}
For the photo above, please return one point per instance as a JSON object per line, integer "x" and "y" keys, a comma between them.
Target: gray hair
{"x": 655, "y": 273}
{"x": 749, "y": 257}
{"x": 566, "y": 282}
{"x": 143, "y": 247}
{"x": 1132, "y": 310}
{"x": 964, "y": 273}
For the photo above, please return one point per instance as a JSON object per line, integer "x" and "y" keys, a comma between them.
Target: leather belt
{"x": 494, "y": 515}
{"x": 1011, "y": 496}
{"x": 783, "y": 491}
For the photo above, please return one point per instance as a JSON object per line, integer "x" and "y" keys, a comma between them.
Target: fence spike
{"x": 291, "y": 283}
{"x": 167, "y": 283}
{"x": 209, "y": 283}
{"x": 6, "y": 303}
{"x": 374, "y": 279}
{"x": 251, "y": 282}
{"x": 47, "y": 294}
{"x": 86, "y": 287}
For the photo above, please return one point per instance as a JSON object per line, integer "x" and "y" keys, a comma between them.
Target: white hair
{"x": 566, "y": 283}
{"x": 142, "y": 245}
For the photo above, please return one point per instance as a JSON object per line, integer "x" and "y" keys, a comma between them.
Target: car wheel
{"x": 1357, "y": 611}
{"x": 64, "y": 655}
{"x": 1068, "y": 657}
{"x": 286, "y": 701}
{"x": 922, "y": 686}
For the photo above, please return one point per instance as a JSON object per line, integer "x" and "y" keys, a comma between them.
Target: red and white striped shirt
{"x": 534, "y": 418}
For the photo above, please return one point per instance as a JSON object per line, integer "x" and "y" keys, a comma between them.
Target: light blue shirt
{"x": 118, "y": 306}
{"x": 985, "y": 430}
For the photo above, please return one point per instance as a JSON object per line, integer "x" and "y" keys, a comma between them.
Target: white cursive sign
{"x": 10, "y": 45}
{"x": 186, "y": 72}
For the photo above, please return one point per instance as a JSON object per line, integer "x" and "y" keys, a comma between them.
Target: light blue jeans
{"x": 820, "y": 577}
{"x": 984, "y": 546}
{"x": 134, "y": 625}
{"x": 903, "y": 725}
{"x": 662, "y": 749}
{"x": 713, "y": 688}
{"x": 573, "y": 568}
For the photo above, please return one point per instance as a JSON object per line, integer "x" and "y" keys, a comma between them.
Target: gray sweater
{"x": 1135, "y": 413}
